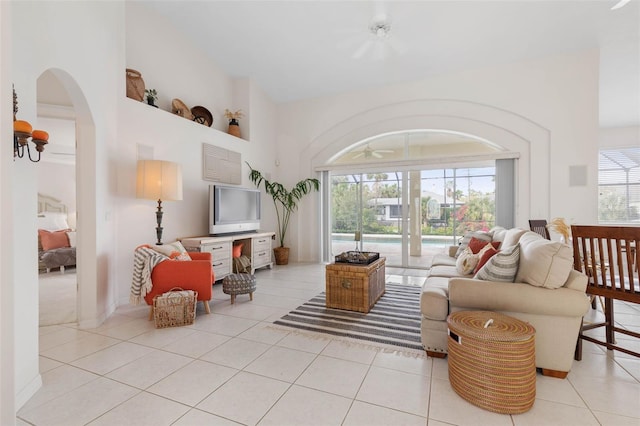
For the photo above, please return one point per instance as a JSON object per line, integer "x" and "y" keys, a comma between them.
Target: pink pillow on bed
{"x": 53, "y": 240}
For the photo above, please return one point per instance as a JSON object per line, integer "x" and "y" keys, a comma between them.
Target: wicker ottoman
{"x": 239, "y": 284}
{"x": 492, "y": 360}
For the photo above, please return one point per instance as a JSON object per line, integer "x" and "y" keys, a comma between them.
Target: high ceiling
{"x": 304, "y": 49}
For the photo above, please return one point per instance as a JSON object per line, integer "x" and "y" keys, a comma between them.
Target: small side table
{"x": 492, "y": 360}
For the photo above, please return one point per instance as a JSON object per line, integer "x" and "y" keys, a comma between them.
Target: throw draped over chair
{"x": 601, "y": 253}
{"x": 539, "y": 226}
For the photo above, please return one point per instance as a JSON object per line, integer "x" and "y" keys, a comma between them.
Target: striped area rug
{"x": 394, "y": 320}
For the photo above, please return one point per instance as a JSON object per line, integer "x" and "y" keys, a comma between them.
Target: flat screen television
{"x": 233, "y": 209}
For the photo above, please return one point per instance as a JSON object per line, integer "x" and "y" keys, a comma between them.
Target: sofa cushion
{"x": 512, "y": 236}
{"x": 502, "y": 266}
{"x": 443, "y": 259}
{"x": 467, "y": 261}
{"x": 434, "y": 300}
{"x": 543, "y": 263}
{"x": 484, "y": 236}
{"x": 443, "y": 271}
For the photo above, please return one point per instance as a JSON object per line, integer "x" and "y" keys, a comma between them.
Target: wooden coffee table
{"x": 354, "y": 287}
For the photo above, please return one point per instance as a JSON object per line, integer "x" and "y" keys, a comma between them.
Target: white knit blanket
{"x": 144, "y": 260}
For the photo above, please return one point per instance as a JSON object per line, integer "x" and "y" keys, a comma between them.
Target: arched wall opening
{"x": 514, "y": 133}
{"x": 86, "y": 259}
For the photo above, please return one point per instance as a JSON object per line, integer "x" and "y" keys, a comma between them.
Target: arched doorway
{"x": 57, "y": 204}
{"x": 408, "y": 194}
{"x": 85, "y": 218}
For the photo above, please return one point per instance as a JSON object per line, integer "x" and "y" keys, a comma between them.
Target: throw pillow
{"x": 503, "y": 266}
{"x": 476, "y": 245}
{"x": 176, "y": 255}
{"x": 71, "y": 235}
{"x": 52, "y": 221}
{"x": 466, "y": 262}
{"x": 512, "y": 236}
{"x": 497, "y": 235}
{"x": 237, "y": 249}
{"x": 53, "y": 240}
{"x": 169, "y": 248}
{"x": 485, "y": 254}
{"x": 544, "y": 263}
{"x": 464, "y": 243}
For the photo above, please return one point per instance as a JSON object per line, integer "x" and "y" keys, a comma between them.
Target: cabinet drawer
{"x": 221, "y": 267}
{"x": 260, "y": 244}
{"x": 261, "y": 258}
{"x": 218, "y": 251}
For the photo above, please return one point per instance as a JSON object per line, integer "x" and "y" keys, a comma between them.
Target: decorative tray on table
{"x": 357, "y": 257}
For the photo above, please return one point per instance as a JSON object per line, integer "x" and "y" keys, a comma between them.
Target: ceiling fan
{"x": 377, "y": 42}
{"x": 368, "y": 152}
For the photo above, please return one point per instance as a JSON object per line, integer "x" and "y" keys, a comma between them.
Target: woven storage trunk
{"x": 175, "y": 308}
{"x": 354, "y": 287}
{"x": 492, "y": 367}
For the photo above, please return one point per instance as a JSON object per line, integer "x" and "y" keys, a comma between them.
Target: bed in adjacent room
{"x": 56, "y": 239}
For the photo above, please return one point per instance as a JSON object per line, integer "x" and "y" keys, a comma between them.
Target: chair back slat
{"x": 539, "y": 226}
{"x": 608, "y": 255}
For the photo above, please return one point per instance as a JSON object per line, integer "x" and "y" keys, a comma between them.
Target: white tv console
{"x": 256, "y": 246}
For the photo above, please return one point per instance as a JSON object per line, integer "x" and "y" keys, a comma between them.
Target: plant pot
{"x": 282, "y": 255}
{"x": 234, "y": 128}
{"x": 151, "y": 102}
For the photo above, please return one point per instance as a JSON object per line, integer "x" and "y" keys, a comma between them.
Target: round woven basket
{"x": 492, "y": 360}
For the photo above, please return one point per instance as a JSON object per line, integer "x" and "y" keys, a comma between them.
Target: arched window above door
{"x": 414, "y": 145}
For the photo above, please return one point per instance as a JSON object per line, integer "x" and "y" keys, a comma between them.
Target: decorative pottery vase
{"x": 234, "y": 128}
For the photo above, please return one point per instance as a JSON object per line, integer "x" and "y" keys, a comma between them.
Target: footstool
{"x": 492, "y": 360}
{"x": 239, "y": 284}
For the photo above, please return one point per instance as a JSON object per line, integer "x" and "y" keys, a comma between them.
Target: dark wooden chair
{"x": 600, "y": 253}
{"x": 539, "y": 226}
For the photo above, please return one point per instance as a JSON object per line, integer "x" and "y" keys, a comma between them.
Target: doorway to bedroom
{"x": 57, "y": 206}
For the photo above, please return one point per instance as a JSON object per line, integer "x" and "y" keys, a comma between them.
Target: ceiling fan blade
{"x": 358, "y": 155}
{"x": 385, "y": 151}
{"x": 396, "y": 45}
{"x": 620, "y": 4}
{"x": 376, "y": 154}
{"x": 362, "y": 50}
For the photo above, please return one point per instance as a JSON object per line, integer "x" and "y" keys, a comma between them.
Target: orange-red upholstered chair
{"x": 195, "y": 274}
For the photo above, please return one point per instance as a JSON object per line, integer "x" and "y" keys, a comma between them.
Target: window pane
{"x": 619, "y": 185}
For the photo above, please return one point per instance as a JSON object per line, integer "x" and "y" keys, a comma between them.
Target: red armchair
{"x": 196, "y": 274}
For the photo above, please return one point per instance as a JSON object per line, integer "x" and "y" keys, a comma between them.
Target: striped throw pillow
{"x": 503, "y": 266}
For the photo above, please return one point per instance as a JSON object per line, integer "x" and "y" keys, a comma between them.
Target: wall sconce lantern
{"x": 22, "y": 131}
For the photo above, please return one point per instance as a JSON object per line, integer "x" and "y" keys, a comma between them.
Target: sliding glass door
{"x": 408, "y": 216}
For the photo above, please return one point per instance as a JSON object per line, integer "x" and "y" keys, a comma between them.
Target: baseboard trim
{"x": 28, "y": 391}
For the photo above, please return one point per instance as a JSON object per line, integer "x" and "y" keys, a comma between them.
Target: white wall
{"x": 178, "y": 70}
{"x": 619, "y": 137}
{"x": 59, "y": 181}
{"x": 90, "y": 66}
{"x": 556, "y": 95}
{"x": 7, "y": 306}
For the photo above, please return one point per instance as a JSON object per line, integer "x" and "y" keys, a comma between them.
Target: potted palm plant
{"x": 285, "y": 202}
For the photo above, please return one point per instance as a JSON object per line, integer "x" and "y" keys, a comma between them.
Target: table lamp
{"x": 159, "y": 180}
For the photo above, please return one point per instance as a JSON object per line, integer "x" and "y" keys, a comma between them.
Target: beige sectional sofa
{"x": 547, "y": 293}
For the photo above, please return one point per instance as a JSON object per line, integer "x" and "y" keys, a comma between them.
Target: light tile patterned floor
{"x": 232, "y": 367}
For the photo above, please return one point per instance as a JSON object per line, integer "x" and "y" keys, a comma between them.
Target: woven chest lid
{"x": 486, "y": 325}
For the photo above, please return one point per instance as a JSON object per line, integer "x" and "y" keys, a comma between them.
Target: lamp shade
{"x": 159, "y": 180}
